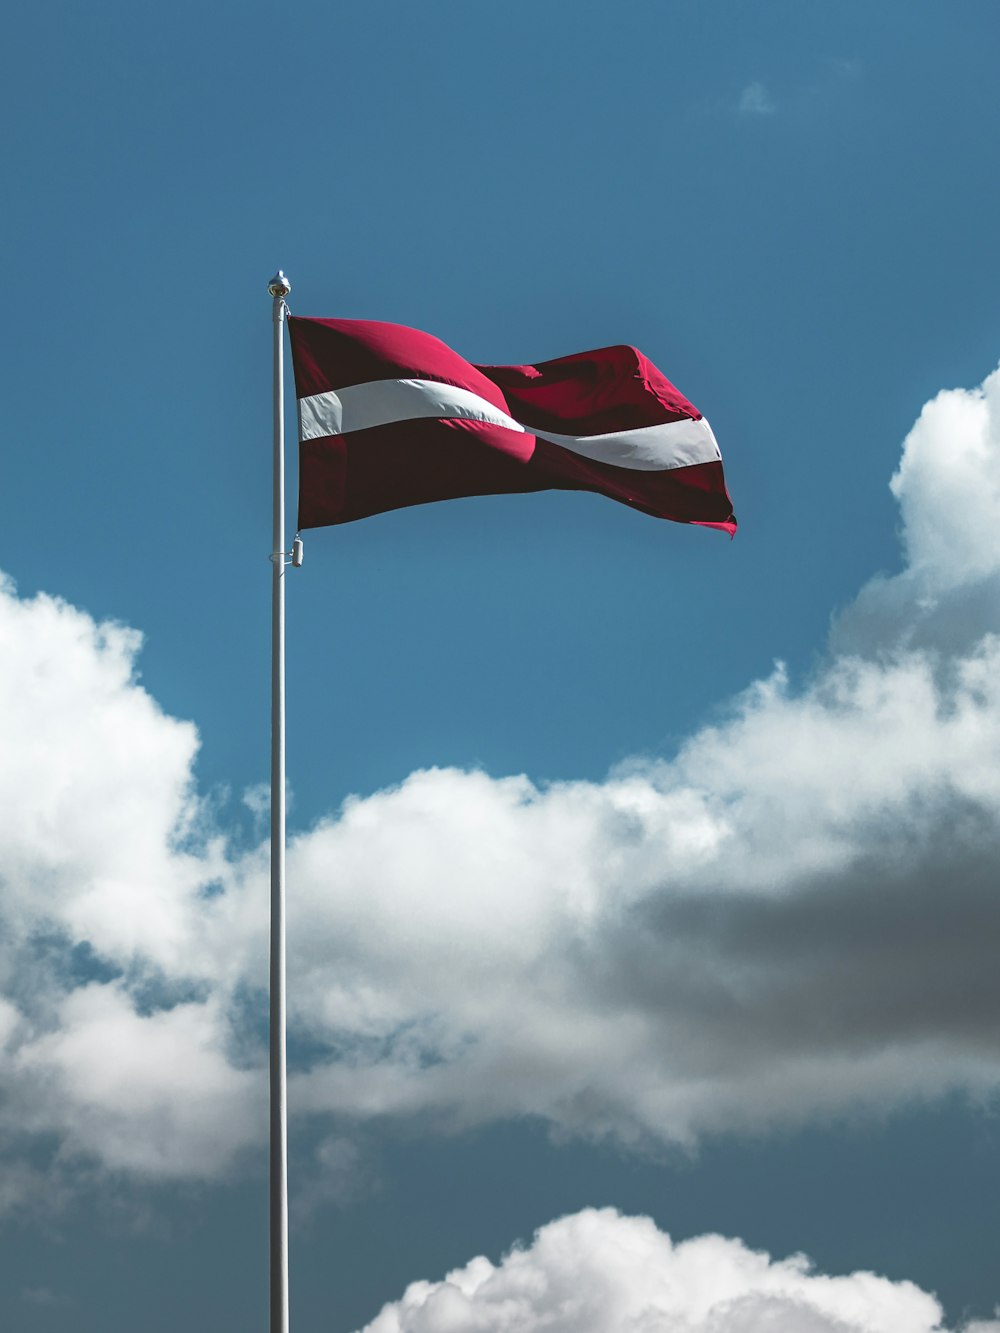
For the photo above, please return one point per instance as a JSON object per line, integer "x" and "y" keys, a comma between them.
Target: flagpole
{"x": 278, "y": 287}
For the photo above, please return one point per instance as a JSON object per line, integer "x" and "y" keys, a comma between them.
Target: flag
{"x": 390, "y": 417}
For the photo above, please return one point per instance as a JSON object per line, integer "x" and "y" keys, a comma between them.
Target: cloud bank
{"x": 791, "y": 917}
{"x": 600, "y": 1272}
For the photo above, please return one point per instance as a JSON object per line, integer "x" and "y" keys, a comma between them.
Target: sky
{"x": 641, "y": 883}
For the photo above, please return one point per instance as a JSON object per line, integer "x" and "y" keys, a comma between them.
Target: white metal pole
{"x": 279, "y": 287}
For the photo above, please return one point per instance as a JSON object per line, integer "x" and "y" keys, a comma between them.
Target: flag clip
{"x": 293, "y": 557}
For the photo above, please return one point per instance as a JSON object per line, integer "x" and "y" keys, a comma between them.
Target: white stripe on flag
{"x": 384, "y": 402}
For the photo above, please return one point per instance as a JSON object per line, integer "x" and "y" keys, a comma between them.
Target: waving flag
{"x": 390, "y": 416}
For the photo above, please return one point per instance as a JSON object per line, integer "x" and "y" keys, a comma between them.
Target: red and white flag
{"x": 390, "y": 416}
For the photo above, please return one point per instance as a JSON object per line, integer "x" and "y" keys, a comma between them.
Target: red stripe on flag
{"x": 347, "y": 477}
{"x": 591, "y": 393}
{"x": 336, "y": 353}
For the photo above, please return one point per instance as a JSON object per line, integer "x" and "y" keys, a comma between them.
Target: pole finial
{"x": 279, "y": 285}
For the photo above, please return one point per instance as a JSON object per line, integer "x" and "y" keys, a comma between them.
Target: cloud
{"x": 339, "y": 1174}
{"x": 822, "y": 89}
{"x": 847, "y": 67}
{"x": 152, "y": 1092}
{"x": 788, "y": 918}
{"x": 600, "y": 1272}
{"x": 755, "y": 100}
{"x": 114, "y": 1026}
{"x": 96, "y": 793}
{"x": 44, "y": 1297}
{"x": 948, "y": 592}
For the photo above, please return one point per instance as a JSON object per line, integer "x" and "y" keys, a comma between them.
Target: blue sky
{"x": 620, "y": 913}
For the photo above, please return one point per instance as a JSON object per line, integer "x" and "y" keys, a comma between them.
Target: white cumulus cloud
{"x": 114, "y": 1028}
{"x": 600, "y": 1272}
{"x": 946, "y": 484}
{"x": 791, "y": 916}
